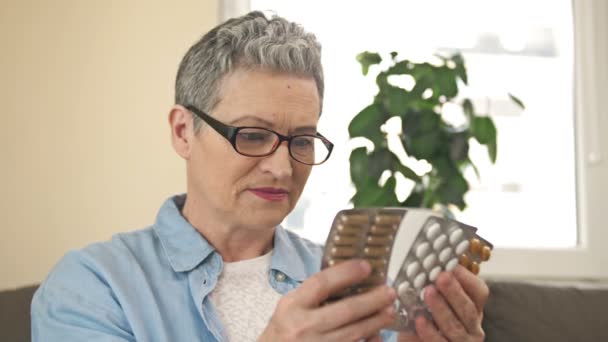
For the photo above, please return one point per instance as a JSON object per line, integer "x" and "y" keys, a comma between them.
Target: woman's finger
{"x": 321, "y": 285}
{"x": 362, "y": 329}
{"x": 355, "y": 308}
{"x": 462, "y": 306}
{"x": 427, "y": 330}
{"x": 443, "y": 315}
{"x": 474, "y": 286}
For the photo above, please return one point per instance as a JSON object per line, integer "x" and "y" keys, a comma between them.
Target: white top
{"x": 244, "y": 299}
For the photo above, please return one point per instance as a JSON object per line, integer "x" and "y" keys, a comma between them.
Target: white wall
{"x": 85, "y": 89}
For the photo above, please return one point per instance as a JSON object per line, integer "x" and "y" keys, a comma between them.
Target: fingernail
{"x": 391, "y": 292}
{"x": 365, "y": 266}
{"x": 427, "y": 291}
{"x": 390, "y": 310}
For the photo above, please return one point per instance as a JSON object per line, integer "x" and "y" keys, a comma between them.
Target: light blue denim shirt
{"x": 152, "y": 284}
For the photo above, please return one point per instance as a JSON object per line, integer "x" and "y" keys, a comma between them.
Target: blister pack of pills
{"x": 407, "y": 248}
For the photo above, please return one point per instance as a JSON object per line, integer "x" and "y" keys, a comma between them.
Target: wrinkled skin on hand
{"x": 456, "y": 301}
{"x": 300, "y": 315}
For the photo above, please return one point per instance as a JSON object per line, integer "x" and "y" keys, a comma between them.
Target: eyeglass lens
{"x": 258, "y": 142}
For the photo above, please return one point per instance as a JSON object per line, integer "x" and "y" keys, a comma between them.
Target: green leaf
{"x": 390, "y": 198}
{"x": 394, "y": 54}
{"x": 368, "y": 194}
{"x": 484, "y": 131}
{"x": 416, "y": 122}
{"x": 379, "y": 161}
{"x": 382, "y": 82}
{"x": 452, "y": 190}
{"x": 492, "y": 151}
{"x": 470, "y": 162}
{"x": 396, "y": 100}
{"x": 424, "y": 146}
{"x": 400, "y": 68}
{"x": 422, "y": 71}
{"x": 414, "y": 200}
{"x": 458, "y": 145}
{"x": 367, "y": 59}
{"x": 367, "y": 124}
{"x": 370, "y": 117}
{"x": 369, "y": 167}
{"x": 358, "y": 166}
{"x": 421, "y": 137}
{"x": 406, "y": 171}
{"x": 384, "y": 159}
{"x": 517, "y": 101}
{"x": 443, "y": 166}
{"x": 467, "y": 107}
{"x": 446, "y": 83}
{"x": 461, "y": 70}
{"x": 428, "y": 196}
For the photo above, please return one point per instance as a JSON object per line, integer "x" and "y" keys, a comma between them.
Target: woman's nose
{"x": 279, "y": 163}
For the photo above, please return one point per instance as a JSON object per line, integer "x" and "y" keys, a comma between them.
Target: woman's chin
{"x": 265, "y": 218}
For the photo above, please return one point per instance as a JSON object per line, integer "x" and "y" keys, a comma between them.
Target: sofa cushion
{"x": 15, "y": 314}
{"x": 542, "y": 312}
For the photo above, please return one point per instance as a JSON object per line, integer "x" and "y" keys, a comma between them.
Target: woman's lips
{"x": 270, "y": 194}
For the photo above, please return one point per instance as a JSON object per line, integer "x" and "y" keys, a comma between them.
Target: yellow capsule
{"x": 486, "y": 252}
{"x": 349, "y": 229}
{"x": 382, "y": 229}
{"x": 373, "y": 280}
{"x": 388, "y": 219}
{"x": 376, "y": 251}
{"x": 343, "y": 252}
{"x": 475, "y": 246}
{"x": 377, "y": 263}
{"x": 464, "y": 260}
{"x": 336, "y": 261}
{"x": 355, "y": 218}
{"x": 345, "y": 240}
{"x": 474, "y": 267}
{"x": 379, "y": 240}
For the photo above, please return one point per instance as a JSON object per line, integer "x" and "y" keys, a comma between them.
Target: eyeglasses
{"x": 307, "y": 149}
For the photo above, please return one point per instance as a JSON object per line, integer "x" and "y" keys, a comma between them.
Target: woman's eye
{"x": 254, "y": 136}
{"x": 302, "y": 142}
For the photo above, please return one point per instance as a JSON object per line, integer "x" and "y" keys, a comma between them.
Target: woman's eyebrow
{"x": 268, "y": 124}
{"x": 305, "y": 129}
{"x": 251, "y": 117}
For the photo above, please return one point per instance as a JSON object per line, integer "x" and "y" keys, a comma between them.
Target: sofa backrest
{"x": 516, "y": 311}
{"x": 15, "y": 314}
{"x": 523, "y": 311}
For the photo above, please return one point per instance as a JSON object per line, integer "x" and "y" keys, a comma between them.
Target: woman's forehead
{"x": 268, "y": 97}
{"x": 294, "y": 126}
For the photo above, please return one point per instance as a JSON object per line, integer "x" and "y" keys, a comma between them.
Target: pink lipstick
{"x": 270, "y": 194}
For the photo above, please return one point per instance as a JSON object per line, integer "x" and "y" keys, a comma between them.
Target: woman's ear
{"x": 182, "y": 134}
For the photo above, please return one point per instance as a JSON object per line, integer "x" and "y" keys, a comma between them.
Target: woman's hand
{"x": 456, "y": 301}
{"x": 299, "y": 315}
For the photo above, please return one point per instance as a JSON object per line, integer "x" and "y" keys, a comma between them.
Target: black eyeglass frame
{"x": 230, "y": 133}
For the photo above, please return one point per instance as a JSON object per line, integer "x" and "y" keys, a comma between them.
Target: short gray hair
{"x": 250, "y": 41}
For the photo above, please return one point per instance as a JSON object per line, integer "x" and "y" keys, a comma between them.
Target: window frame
{"x": 588, "y": 259}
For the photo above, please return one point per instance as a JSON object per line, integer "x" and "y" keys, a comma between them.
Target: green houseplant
{"x": 425, "y": 135}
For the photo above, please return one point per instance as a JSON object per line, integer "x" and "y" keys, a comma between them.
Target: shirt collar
{"x": 286, "y": 258}
{"x": 185, "y": 247}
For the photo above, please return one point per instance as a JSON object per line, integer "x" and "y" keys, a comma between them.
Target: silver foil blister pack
{"x": 407, "y": 249}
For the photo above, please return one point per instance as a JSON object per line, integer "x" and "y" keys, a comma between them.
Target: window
{"x": 540, "y": 203}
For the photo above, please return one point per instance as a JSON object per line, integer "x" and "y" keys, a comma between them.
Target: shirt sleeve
{"x": 388, "y": 335}
{"x": 75, "y": 304}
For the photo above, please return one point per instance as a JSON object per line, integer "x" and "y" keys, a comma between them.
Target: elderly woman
{"x": 216, "y": 264}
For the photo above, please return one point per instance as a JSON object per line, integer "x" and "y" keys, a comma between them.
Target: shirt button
{"x": 279, "y": 276}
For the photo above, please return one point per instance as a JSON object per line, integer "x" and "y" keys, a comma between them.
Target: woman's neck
{"x": 233, "y": 243}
